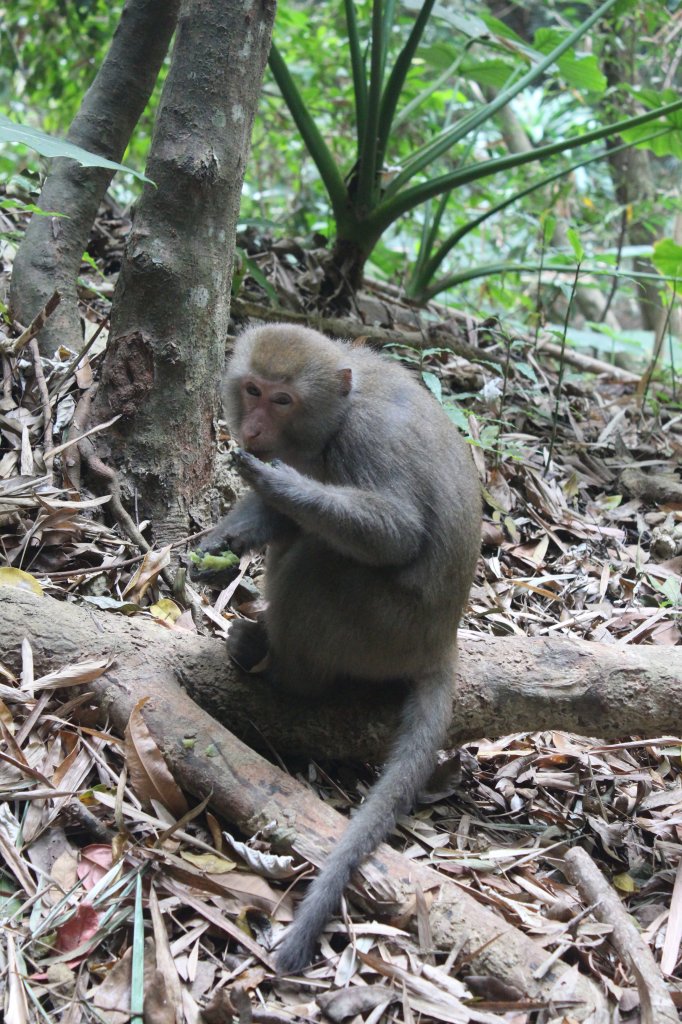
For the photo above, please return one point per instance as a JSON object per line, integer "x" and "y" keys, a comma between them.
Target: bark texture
{"x": 251, "y": 793}
{"x": 50, "y": 254}
{"x": 171, "y": 306}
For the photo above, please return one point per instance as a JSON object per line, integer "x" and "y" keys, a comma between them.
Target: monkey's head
{"x": 287, "y": 391}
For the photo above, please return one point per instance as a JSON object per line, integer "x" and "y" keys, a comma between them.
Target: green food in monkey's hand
{"x": 213, "y": 563}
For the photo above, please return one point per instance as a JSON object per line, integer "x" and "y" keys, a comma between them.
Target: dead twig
{"x": 13, "y": 348}
{"x": 83, "y": 448}
{"x": 94, "y": 570}
{"x": 72, "y": 460}
{"x": 588, "y": 363}
{"x": 656, "y": 1002}
{"x": 41, "y": 384}
{"x": 73, "y": 365}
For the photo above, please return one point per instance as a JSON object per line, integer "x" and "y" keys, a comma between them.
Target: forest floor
{"x": 582, "y": 538}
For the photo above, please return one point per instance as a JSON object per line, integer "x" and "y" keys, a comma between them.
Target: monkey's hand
{"x": 264, "y": 476}
{"x": 248, "y": 527}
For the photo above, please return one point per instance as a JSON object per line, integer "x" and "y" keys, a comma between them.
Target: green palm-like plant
{"x": 363, "y": 204}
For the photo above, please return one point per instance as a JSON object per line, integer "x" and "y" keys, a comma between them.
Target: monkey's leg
{"x": 247, "y": 645}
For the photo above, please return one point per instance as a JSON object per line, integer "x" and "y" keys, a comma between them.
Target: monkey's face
{"x": 291, "y": 422}
{"x": 268, "y": 408}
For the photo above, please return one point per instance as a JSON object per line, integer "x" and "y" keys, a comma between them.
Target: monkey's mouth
{"x": 261, "y": 454}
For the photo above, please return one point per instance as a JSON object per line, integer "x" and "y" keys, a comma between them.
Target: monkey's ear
{"x": 345, "y": 381}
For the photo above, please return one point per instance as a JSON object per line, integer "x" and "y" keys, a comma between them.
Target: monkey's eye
{"x": 281, "y": 399}
{"x": 251, "y": 389}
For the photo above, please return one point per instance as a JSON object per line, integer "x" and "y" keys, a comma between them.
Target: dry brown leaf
{"x": 168, "y": 1008}
{"x": 149, "y": 773}
{"x": 152, "y": 564}
{"x": 74, "y": 675}
{"x": 673, "y": 932}
{"x": 360, "y": 999}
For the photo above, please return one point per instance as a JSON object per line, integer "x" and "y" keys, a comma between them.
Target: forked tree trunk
{"x": 171, "y": 306}
{"x": 50, "y": 254}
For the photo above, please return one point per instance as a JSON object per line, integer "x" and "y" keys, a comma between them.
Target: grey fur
{"x": 371, "y": 513}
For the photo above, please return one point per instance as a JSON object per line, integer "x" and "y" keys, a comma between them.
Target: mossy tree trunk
{"x": 171, "y": 306}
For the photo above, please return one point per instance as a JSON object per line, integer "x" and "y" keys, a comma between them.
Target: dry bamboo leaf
{"x": 673, "y": 932}
{"x": 149, "y": 773}
{"x": 114, "y": 993}
{"x": 74, "y": 675}
{"x": 17, "y": 1001}
{"x": 360, "y": 999}
{"x": 268, "y": 864}
{"x": 152, "y": 564}
{"x": 21, "y": 580}
{"x": 211, "y": 863}
{"x": 165, "y": 963}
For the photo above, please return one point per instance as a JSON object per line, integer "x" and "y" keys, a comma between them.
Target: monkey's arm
{"x": 250, "y": 525}
{"x": 372, "y": 527}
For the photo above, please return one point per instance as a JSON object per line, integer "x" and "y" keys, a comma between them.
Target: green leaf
{"x": 581, "y": 72}
{"x": 439, "y": 55}
{"x": 527, "y": 371}
{"x": 548, "y": 226}
{"x": 493, "y": 73}
{"x": 18, "y": 204}
{"x": 468, "y": 24}
{"x": 51, "y": 147}
{"x": 668, "y": 144}
{"x": 576, "y": 244}
{"x": 667, "y": 258}
{"x": 433, "y": 383}
{"x": 457, "y": 415}
{"x": 498, "y": 28}
{"x": 670, "y": 589}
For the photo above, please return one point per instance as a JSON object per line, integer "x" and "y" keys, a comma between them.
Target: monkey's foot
{"x": 247, "y": 645}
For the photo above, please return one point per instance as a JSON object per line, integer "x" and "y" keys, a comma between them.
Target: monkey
{"x": 367, "y": 501}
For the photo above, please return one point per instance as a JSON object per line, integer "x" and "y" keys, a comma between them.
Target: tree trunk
{"x": 50, "y": 254}
{"x": 251, "y": 793}
{"x": 633, "y": 172}
{"x": 344, "y": 272}
{"x": 504, "y": 684}
{"x": 171, "y": 306}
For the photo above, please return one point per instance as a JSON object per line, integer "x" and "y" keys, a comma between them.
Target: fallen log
{"x": 504, "y": 684}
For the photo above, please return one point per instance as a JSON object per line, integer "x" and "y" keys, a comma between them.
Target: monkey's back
{"x": 416, "y": 451}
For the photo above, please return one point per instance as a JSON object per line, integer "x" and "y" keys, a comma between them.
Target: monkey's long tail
{"x": 425, "y": 719}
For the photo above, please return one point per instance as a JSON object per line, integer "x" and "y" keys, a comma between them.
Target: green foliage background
{"x": 49, "y": 53}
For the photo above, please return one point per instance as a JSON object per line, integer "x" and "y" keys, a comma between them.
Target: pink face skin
{"x": 266, "y": 408}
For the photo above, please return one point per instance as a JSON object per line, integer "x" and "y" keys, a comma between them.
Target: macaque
{"x": 368, "y": 502}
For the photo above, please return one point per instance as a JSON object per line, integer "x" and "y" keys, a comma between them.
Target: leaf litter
{"x": 97, "y": 842}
